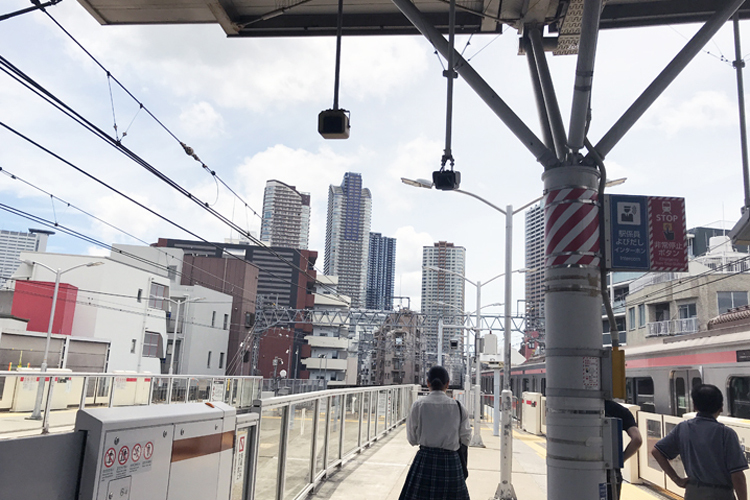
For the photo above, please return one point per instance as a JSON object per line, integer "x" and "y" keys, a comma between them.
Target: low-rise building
{"x": 398, "y": 350}
{"x": 668, "y": 304}
{"x": 330, "y": 357}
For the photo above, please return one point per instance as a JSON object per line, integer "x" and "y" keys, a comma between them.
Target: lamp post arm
{"x": 480, "y": 199}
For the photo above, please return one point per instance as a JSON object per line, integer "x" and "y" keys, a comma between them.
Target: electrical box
{"x": 157, "y": 452}
{"x": 334, "y": 124}
{"x": 490, "y": 344}
{"x": 446, "y": 180}
{"x": 612, "y": 438}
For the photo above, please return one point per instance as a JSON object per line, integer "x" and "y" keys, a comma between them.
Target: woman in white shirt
{"x": 437, "y": 424}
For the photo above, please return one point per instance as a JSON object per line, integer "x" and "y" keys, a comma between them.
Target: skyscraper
{"x": 380, "y": 272}
{"x": 286, "y": 216}
{"x": 347, "y": 236}
{"x": 535, "y": 264}
{"x": 443, "y": 296}
{"x": 12, "y": 243}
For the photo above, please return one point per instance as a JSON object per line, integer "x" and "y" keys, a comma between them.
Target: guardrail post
{"x": 314, "y": 446}
{"x": 48, "y": 404}
{"x": 327, "y": 434}
{"x": 342, "y": 427}
{"x": 151, "y": 389}
{"x": 361, "y": 415}
{"x": 283, "y": 443}
{"x": 111, "y": 391}
{"x": 84, "y": 390}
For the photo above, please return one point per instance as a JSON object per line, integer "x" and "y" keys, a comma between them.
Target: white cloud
{"x": 409, "y": 245}
{"x": 201, "y": 119}
{"x": 706, "y": 109}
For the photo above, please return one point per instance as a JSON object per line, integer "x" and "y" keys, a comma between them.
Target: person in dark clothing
{"x": 629, "y": 425}
{"x": 437, "y": 424}
{"x": 710, "y": 451}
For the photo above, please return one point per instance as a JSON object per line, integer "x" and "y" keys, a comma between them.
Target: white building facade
{"x": 443, "y": 296}
{"x": 286, "y": 216}
{"x": 331, "y": 357}
{"x": 115, "y": 302}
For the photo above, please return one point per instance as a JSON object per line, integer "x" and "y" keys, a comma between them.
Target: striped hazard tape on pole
{"x": 571, "y": 218}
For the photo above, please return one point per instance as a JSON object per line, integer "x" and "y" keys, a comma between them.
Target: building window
{"x": 631, "y": 318}
{"x": 249, "y": 319}
{"x": 213, "y": 319}
{"x": 686, "y": 311}
{"x": 151, "y": 345}
{"x": 156, "y": 296}
{"x": 221, "y": 360}
{"x": 172, "y": 272}
{"x": 226, "y": 322}
{"x": 208, "y": 363}
{"x": 641, "y": 315}
{"x": 730, "y": 300}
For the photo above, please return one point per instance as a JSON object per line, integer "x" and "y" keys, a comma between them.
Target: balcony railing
{"x": 672, "y": 327}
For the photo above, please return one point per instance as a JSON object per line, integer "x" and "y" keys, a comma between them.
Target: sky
{"x": 248, "y": 108}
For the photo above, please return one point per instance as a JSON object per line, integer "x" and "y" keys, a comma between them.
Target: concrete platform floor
{"x": 379, "y": 472}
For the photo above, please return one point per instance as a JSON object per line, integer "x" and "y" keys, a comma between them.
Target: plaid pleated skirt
{"x": 435, "y": 474}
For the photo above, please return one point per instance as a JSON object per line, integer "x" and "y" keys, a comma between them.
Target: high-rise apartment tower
{"x": 286, "y": 216}
{"x": 381, "y": 272}
{"x": 443, "y": 297}
{"x": 535, "y": 264}
{"x": 347, "y": 236}
{"x": 12, "y": 243}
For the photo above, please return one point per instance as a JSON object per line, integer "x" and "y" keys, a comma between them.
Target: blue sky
{"x": 249, "y": 109}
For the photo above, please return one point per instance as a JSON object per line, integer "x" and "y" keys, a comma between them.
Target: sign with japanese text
{"x": 645, "y": 233}
{"x": 629, "y": 234}
{"x": 667, "y": 234}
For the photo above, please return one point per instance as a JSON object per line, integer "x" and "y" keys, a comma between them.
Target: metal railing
{"x": 672, "y": 327}
{"x": 284, "y": 387}
{"x": 65, "y": 390}
{"x": 305, "y": 437}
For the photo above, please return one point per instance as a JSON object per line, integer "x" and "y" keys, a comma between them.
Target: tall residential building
{"x": 443, "y": 296}
{"x": 381, "y": 272}
{"x": 535, "y": 264}
{"x": 12, "y": 243}
{"x": 347, "y": 236}
{"x": 286, "y": 216}
{"x": 398, "y": 344}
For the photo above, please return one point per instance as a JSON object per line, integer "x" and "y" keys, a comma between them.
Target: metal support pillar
{"x": 479, "y": 85}
{"x": 548, "y": 91}
{"x": 440, "y": 342}
{"x": 584, "y": 74}
{"x": 666, "y": 77}
{"x": 496, "y": 403}
{"x": 476, "y": 437}
{"x": 575, "y": 409}
{"x": 739, "y": 64}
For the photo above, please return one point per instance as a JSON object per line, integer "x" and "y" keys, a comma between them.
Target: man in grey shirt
{"x": 710, "y": 451}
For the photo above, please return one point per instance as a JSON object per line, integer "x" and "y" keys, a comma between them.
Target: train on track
{"x": 660, "y": 375}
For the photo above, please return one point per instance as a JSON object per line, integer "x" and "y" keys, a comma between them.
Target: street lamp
{"x": 37, "y": 413}
{"x": 505, "y": 488}
{"x": 476, "y": 438}
{"x": 178, "y": 303}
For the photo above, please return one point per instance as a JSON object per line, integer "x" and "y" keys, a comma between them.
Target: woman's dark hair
{"x": 707, "y": 398}
{"x": 438, "y": 378}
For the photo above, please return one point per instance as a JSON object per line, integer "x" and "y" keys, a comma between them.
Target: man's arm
{"x": 635, "y": 442}
{"x": 740, "y": 484}
{"x": 667, "y": 467}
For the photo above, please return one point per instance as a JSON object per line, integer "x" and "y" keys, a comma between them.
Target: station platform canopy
{"x": 291, "y": 18}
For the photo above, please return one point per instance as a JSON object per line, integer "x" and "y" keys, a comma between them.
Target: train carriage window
{"x": 629, "y": 397}
{"x": 739, "y": 397}
{"x": 544, "y": 386}
{"x": 681, "y": 397}
{"x": 644, "y": 393}
{"x": 525, "y": 385}
{"x": 533, "y": 384}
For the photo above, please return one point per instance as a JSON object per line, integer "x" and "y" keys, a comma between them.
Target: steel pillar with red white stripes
{"x": 573, "y": 334}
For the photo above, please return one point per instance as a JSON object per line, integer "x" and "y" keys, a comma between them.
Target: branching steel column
{"x": 584, "y": 73}
{"x": 666, "y": 77}
{"x": 548, "y": 91}
{"x": 538, "y": 96}
{"x": 481, "y": 87}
